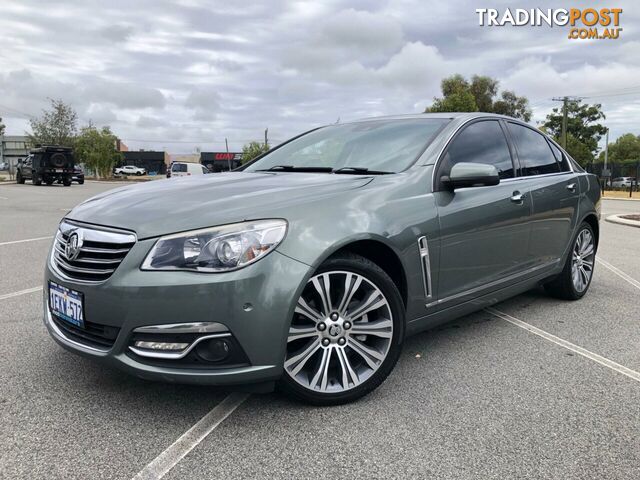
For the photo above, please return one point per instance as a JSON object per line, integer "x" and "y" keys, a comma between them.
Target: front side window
{"x": 179, "y": 167}
{"x": 534, "y": 153}
{"x": 381, "y": 145}
{"x": 480, "y": 142}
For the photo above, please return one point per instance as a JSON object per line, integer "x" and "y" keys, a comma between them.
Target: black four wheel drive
{"x": 47, "y": 164}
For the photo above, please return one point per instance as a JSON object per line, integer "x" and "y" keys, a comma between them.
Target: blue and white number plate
{"x": 66, "y": 304}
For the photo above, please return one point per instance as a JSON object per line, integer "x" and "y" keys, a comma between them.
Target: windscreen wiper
{"x": 291, "y": 168}
{"x": 360, "y": 171}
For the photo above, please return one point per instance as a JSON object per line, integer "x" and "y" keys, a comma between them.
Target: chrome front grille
{"x": 93, "y": 254}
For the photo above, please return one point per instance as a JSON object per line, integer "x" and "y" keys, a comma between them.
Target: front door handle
{"x": 518, "y": 197}
{"x": 571, "y": 187}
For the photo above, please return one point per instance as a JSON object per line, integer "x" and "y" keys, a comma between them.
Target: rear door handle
{"x": 518, "y": 197}
{"x": 571, "y": 187}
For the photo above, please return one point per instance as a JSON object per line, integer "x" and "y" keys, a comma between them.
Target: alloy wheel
{"x": 582, "y": 260}
{"x": 340, "y": 334}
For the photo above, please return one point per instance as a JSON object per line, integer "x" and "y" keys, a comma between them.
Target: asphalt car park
{"x": 535, "y": 388}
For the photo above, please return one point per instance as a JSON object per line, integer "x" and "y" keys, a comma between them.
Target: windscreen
{"x": 380, "y": 145}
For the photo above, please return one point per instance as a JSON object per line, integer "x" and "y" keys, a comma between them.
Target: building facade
{"x": 13, "y": 148}
{"x": 221, "y": 161}
{"x": 151, "y": 161}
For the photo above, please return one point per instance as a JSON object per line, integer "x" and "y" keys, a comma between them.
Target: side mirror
{"x": 471, "y": 175}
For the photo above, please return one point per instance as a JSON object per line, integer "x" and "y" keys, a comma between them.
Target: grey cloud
{"x": 204, "y": 102}
{"x": 117, "y": 33}
{"x": 124, "y": 95}
{"x": 150, "y": 122}
{"x": 197, "y": 69}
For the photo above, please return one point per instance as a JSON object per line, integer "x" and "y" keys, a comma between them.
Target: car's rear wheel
{"x": 49, "y": 180}
{"x": 37, "y": 180}
{"x": 346, "y": 333}
{"x": 576, "y": 276}
{"x": 19, "y": 177}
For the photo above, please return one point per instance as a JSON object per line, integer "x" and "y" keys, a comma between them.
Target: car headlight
{"x": 216, "y": 249}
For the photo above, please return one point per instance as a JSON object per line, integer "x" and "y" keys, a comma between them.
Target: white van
{"x": 184, "y": 169}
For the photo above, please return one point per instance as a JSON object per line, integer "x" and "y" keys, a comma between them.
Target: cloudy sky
{"x": 186, "y": 74}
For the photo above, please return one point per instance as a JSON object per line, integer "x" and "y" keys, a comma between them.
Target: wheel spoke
{"x": 587, "y": 252}
{"x": 304, "y": 309}
{"x": 296, "y": 333}
{"x": 371, "y": 356}
{"x": 321, "y": 378}
{"x": 586, "y": 241}
{"x": 349, "y": 376}
{"x": 374, "y": 301}
{"x": 323, "y": 290}
{"x": 379, "y": 328}
{"x": 351, "y": 285}
{"x": 585, "y": 276}
{"x": 295, "y": 363}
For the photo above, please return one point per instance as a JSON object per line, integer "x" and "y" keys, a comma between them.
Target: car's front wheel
{"x": 346, "y": 333}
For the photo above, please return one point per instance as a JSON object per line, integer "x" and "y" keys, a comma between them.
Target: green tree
{"x": 57, "y": 126}
{"x": 253, "y": 149}
{"x": 626, "y": 148}
{"x": 578, "y": 150}
{"x": 481, "y": 94}
{"x": 96, "y": 148}
{"x": 582, "y": 125}
{"x": 1, "y": 127}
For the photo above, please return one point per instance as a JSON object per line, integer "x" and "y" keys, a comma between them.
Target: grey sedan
{"x": 309, "y": 267}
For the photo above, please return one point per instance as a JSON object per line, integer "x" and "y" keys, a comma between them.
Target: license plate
{"x": 66, "y": 304}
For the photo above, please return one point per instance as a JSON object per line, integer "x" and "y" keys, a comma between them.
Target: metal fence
{"x": 616, "y": 170}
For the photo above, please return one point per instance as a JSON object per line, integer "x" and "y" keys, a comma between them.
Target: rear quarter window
{"x": 534, "y": 152}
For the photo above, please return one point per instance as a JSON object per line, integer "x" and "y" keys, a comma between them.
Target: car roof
{"x": 443, "y": 115}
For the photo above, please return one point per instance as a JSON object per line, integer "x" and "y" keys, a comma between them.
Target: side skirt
{"x": 450, "y": 313}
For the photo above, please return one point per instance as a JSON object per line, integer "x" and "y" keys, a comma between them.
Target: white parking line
{"x": 21, "y": 292}
{"x": 619, "y": 272}
{"x": 565, "y": 344}
{"x": 168, "y": 459}
{"x": 26, "y": 240}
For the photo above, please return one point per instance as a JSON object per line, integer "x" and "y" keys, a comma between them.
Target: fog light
{"x": 214, "y": 350}
{"x": 164, "y": 346}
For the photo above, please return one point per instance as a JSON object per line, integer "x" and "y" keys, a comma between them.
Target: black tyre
{"x": 48, "y": 181}
{"x": 139, "y": 174}
{"x": 80, "y": 182}
{"x": 574, "y": 281}
{"x": 19, "y": 178}
{"x": 66, "y": 182}
{"x": 346, "y": 334}
{"x": 37, "y": 180}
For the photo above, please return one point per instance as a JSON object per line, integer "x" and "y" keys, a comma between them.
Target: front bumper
{"x": 255, "y": 304}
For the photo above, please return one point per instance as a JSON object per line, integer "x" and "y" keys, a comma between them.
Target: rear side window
{"x": 561, "y": 158}
{"x": 480, "y": 142}
{"x": 179, "y": 167}
{"x": 536, "y": 157}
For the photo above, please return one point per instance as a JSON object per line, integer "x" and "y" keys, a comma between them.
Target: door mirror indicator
{"x": 465, "y": 174}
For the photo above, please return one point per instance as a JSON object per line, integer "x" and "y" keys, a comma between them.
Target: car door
{"x": 27, "y": 166}
{"x": 555, "y": 193}
{"x": 483, "y": 230}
